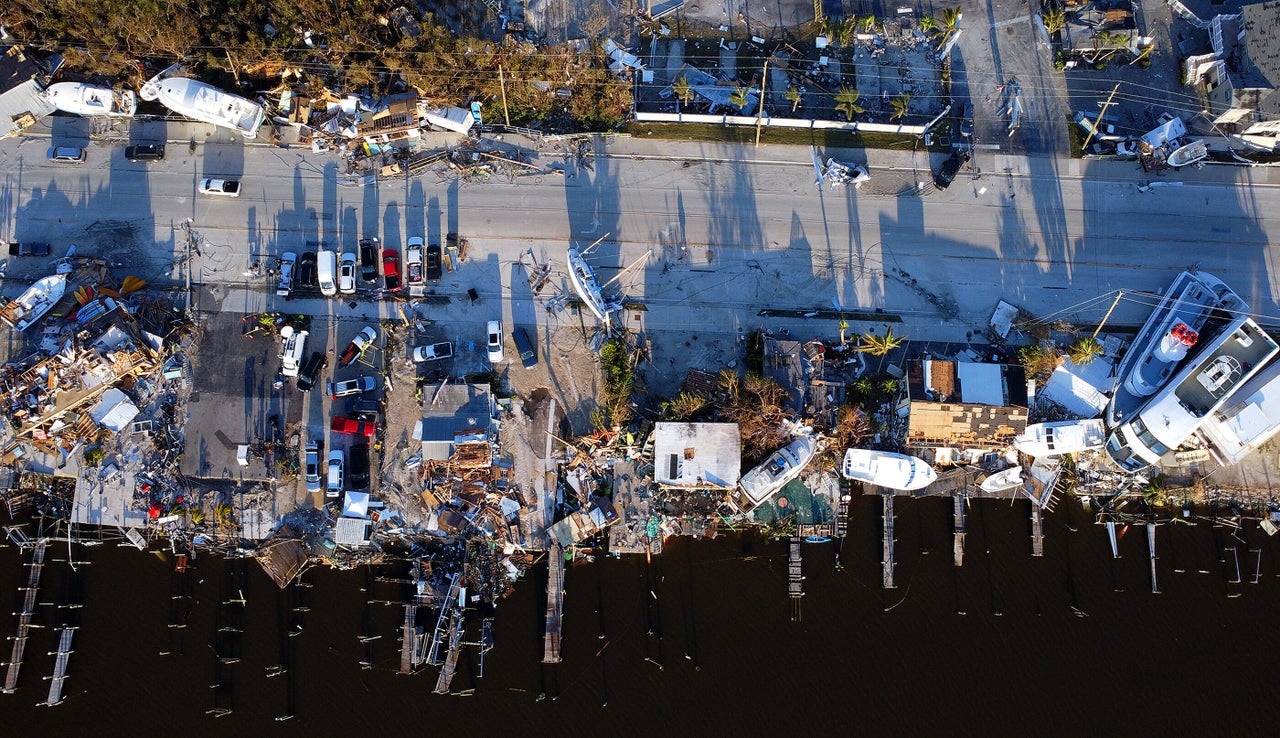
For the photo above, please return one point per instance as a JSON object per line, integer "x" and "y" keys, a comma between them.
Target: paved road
{"x": 755, "y": 230}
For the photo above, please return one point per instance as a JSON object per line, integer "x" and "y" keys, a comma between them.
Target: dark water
{"x": 1072, "y": 641}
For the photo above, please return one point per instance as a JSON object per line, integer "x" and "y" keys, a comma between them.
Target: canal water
{"x": 701, "y": 640}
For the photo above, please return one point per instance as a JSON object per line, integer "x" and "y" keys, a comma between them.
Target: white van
{"x": 327, "y": 272}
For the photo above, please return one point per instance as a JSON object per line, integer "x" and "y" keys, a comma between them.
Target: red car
{"x": 351, "y": 427}
{"x": 391, "y": 268}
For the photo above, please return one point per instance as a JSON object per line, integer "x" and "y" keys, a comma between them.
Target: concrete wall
{"x": 750, "y": 120}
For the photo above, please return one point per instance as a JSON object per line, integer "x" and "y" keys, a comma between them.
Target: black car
{"x": 362, "y": 408}
{"x": 311, "y": 369}
{"x": 307, "y": 271}
{"x": 358, "y": 466}
{"x": 434, "y": 271}
{"x": 966, "y": 121}
{"x": 525, "y": 348}
{"x": 369, "y": 259}
{"x": 148, "y": 152}
{"x": 28, "y": 248}
{"x": 950, "y": 167}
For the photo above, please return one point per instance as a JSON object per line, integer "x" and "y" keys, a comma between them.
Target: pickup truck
{"x": 28, "y": 248}
{"x": 363, "y": 340}
{"x": 351, "y": 426}
{"x": 433, "y": 352}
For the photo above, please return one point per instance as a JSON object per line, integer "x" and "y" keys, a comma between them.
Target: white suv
{"x": 347, "y": 274}
{"x": 295, "y": 342}
{"x": 495, "y": 341}
{"x": 334, "y": 487}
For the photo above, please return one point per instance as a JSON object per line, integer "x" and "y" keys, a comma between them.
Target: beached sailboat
{"x": 764, "y": 481}
{"x": 88, "y": 100}
{"x": 585, "y": 284}
{"x": 206, "y": 103}
{"x": 1003, "y": 480}
{"x": 1189, "y": 154}
{"x": 888, "y": 470}
{"x": 30, "y": 306}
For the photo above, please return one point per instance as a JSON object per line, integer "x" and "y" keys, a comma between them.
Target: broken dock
{"x": 24, "y": 618}
{"x": 887, "y": 554}
{"x": 60, "y": 667}
{"x": 555, "y": 606}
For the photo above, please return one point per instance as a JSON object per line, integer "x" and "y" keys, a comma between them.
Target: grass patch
{"x": 747, "y": 134}
{"x": 1076, "y": 135}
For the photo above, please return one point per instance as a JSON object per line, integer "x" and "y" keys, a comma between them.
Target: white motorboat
{"x": 1041, "y": 440}
{"x": 764, "y": 481}
{"x": 31, "y": 305}
{"x": 1005, "y": 479}
{"x": 888, "y": 470}
{"x": 585, "y": 284}
{"x": 92, "y": 100}
{"x": 1189, "y": 154}
{"x": 206, "y": 103}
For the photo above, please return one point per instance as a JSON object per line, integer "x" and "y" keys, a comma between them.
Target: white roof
{"x": 1247, "y": 423}
{"x": 701, "y": 454}
{"x": 114, "y": 411}
{"x": 355, "y": 505}
{"x": 351, "y": 532}
{"x": 980, "y": 384}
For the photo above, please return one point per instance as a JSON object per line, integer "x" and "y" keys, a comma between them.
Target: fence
{"x": 768, "y": 122}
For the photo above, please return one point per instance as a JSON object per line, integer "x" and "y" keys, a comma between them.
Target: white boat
{"x": 888, "y": 470}
{"x": 31, "y": 305}
{"x": 206, "y": 103}
{"x": 764, "y": 481}
{"x": 92, "y": 100}
{"x": 585, "y": 284}
{"x": 1189, "y": 154}
{"x": 1006, "y": 479}
{"x": 1041, "y": 440}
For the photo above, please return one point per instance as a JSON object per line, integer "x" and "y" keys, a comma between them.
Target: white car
{"x": 335, "y": 481}
{"x": 495, "y": 341}
{"x": 347, "y": 274}
{"x": 288, "y": 266}
{"x": 312, "y": 473}
{"x": 295, "y": 342}
{"x": 220, "y": 187}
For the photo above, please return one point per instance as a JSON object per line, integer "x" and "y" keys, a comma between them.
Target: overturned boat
{"x": 888, "y": 470}
{"x": 1003, "y": 480}
{"x": 205, "y": 103}
{"x": 585, "y": 284}
{"x": 30, "y": 306}
{"x": 764, "y": 481}
{"x": 88, "y": 100}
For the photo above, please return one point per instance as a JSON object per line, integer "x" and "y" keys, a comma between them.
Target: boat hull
{"x": 1002, "y": 481}
{"x": 784, "y": 465}
{"x": 888, "y": 470}
{"x": 585, "y": 284}
{"x": 32, "y": 305}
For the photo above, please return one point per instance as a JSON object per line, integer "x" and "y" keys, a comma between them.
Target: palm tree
{"x": 197, "y": 515}
{"x": 1084, "y": 350}
{"x": 739, "y": 98}
{"x": 949, "y": 24}
{"x": 793, "y": 97}
{"x": 868, "y": 23}
{"x": 844, "y": 33}
{"x": 928, "y": 25}
{"x": 1055, "y": 19}
{"x": 880, "y": 345}
{"x": 900, "y": 106}
{"x": 683, "y": 90}
{"x": 847, "y": 101}
{"x": 844, "y": 326}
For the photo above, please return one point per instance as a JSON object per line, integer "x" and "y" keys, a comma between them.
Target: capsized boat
{"x": 585, "y": 284}
{"x": 31, "y": 305}
{"x": 888, "y": 470}
{"x": 206, "y": 103}
{"x": 92, "y": 100}
{"x": 764, "y": 481}
{"x": 1005, "y": 479}
{"x": 1189, "y": 154}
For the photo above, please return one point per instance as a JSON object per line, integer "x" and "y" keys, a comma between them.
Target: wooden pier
{"x": 887, "y": 559}
{"x": 456, "y": 628}
{"x": 408, "y": 639}
{"x": 24, "y": 618}
{"x": 555, "y": 606}
{"x": 1151, "y": 549}
{"x": 441, "y": 632}
{"x": 957, "y": 503}
{"x": 795, "y": 578}
{"x": 1037, "y": 530}
{"x": 60, "y": 667}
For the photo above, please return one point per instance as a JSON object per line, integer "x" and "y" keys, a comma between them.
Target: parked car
{"x": 434, "y": 269}
{"x": 220, "y": 187}
{"x": 357, "y": 386}
{"x": 307, "y": 271}
{"x": 368, "y": 259}
{"x": 311, "y": 370}
{"x": 363, "y": 340}
{"x": 67, "y": 155}
{"x": 295, "y": 342}
{"x": 942, "y": 180}
{"x": 391, "y": 269}
{"x": 495, "y": 341}
{"x": 311, "y": 465}
{"x": 433, "y": 352}
{"x": 966, "y": 120}
{"x": 144, "y": 152}
{"x": 351, "y": 426}
{"x": 327, "y": 272}
{"x": 413, "y": 263}
{"x": 288, "y": 268}
{"x": 29, "y": 248}
{"x": 347, "y": 273}
{"x": 363, "y": 408}
{"x": 335, "y": 481}
{"x": 358, "y": 466}
{"x": 524, "y": 347}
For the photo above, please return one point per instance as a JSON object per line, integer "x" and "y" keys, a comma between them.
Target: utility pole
{"x": 1119, "y": 295}
{"x": 764, "y": 83}
{"x": 1094, "y": 128}
{"x": 503, "y": 81}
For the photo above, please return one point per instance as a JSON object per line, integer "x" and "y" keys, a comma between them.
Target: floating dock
{"x": 60, "y": 667}
{"x": 887, "y": 559}
{"x": 795, "y": 578}
{"x": 24, "y": 618}
{"x": 555, "y": 606}
{"x": 957, "y": 503}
